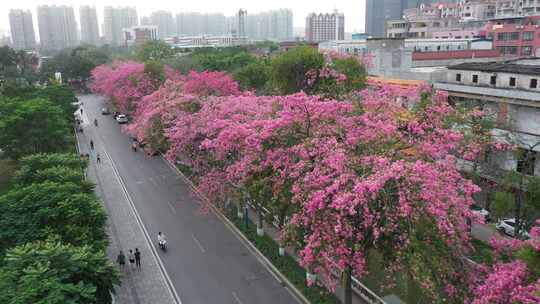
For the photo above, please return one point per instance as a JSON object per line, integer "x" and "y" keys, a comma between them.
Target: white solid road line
{"x": 198, "y": 243}
{"x": 235, "y": 296}
{"x": 157, "y": 259}
{"x": 172, "y": 208}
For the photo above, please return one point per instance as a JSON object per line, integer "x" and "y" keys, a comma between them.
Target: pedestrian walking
{"x": 121, "y": 260}
{"x": 138, "y": 259}
{"x": 131, "y": 258}
{"x": 98, "y": 158}
{"x": 92, "y": 144}
{"x": 81, "y": 110}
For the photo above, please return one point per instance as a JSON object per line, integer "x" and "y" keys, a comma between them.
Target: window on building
{"x": 528, "y": 36}
{"x": 508, "y": 36}
{"x": 512, "y": 81}
{"x": 508, "y": 50}
{"x": 526, "y": 161}
{"x": 475, "y": 78}
{"x": 493, "y": 80}
{"x": 458, "y": 77}
{"x": 533, "y": 84}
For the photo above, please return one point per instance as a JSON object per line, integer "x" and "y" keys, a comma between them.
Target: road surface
{"x": 205, "y": 261}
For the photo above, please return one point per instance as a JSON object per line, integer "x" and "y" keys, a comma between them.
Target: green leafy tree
{"x": 32, "y": 126}
{"x": 60, "y": 95}
{"x": 37, "y": 211}
{"x": 154, "y": 50}
{"x": 503, "y": 204}
{"x": 74, "y": 63}
{"x": 34, "y": 162}
{"x": 17, "y": 68}
{"x": 53, "y": 273}
{"x": 227, "y": 60}
{"x": 254, "y": 76}
{"x": 184, "y": 64}
{"x": 288, "y": 70}
{"x": 352, "y": 68}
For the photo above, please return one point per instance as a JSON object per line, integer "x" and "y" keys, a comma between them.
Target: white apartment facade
{"x": 22, "y": 30}
{"x": 89, "y": 25}
{"x": 115, "y": 20}
{"x": 57, "y": 27}
{"x": 325, "y": 27}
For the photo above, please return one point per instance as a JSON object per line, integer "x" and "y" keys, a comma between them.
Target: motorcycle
{"x": 163, "y": 245}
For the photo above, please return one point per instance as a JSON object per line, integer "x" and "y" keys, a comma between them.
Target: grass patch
{"x": 186, "y": 170}
{"x": 483, "y": 253}
{"x": 285, "y": 264}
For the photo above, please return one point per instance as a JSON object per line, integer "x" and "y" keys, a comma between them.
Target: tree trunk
{"x": 260, "y": 229}
{"x": 519, "y": 200}
{"x": 347, "y": 285}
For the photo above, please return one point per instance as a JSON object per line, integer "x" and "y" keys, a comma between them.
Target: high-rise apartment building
{"x": 378, "y": 12}
{"x": 242, "y": 16}
{"x": 270, "y": 25}
{"x": 517, "y": 8}
{"x": 89, "y": 25}
{"x": 324, "y": 27}
{"x": 164, "y": 22}
{"x": 115, "y": 20}
{"x": 194, "y": 24}
{"x": 57, "y": 27}
{"x": 22, "y": 29}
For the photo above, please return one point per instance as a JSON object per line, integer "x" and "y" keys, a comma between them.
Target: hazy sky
{"x": 353, "y": 9}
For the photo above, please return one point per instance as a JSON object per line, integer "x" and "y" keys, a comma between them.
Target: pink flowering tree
{"x": 126, "y": 82}
{"x": 515, "y": 275}
{"x": 339, "y": 76}
{"x": 178, "y": 96}
{"x": 357, "y": 178}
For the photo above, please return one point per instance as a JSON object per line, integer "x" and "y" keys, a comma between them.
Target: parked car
{"x": 480, "y": 211}
{"x": 508, "y": 227}
{"x": 122, "y": 119}
{"x": 105, "y": 111}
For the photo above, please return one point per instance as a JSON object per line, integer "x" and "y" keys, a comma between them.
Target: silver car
{"x": 508, "y": 227}
{"x": 122, "y": 119}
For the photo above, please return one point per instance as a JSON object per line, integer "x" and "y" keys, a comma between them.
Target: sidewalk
{"x": 149, "y": 285}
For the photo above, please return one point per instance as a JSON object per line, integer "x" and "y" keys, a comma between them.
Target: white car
{"x": 480, "y": 211}
{"x": 508, "y": 227}
{"x": 121, "y": 119}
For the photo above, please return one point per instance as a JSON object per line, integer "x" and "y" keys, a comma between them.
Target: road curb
{"x": 280, "y": 277}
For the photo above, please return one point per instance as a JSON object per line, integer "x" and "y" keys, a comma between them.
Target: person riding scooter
{"x": 162, "y": 241}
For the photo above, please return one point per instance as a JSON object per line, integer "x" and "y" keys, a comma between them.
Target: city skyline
{"x": 354, "y": 11}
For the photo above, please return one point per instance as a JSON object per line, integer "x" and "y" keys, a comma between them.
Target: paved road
{"x": 205, "y": 260}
